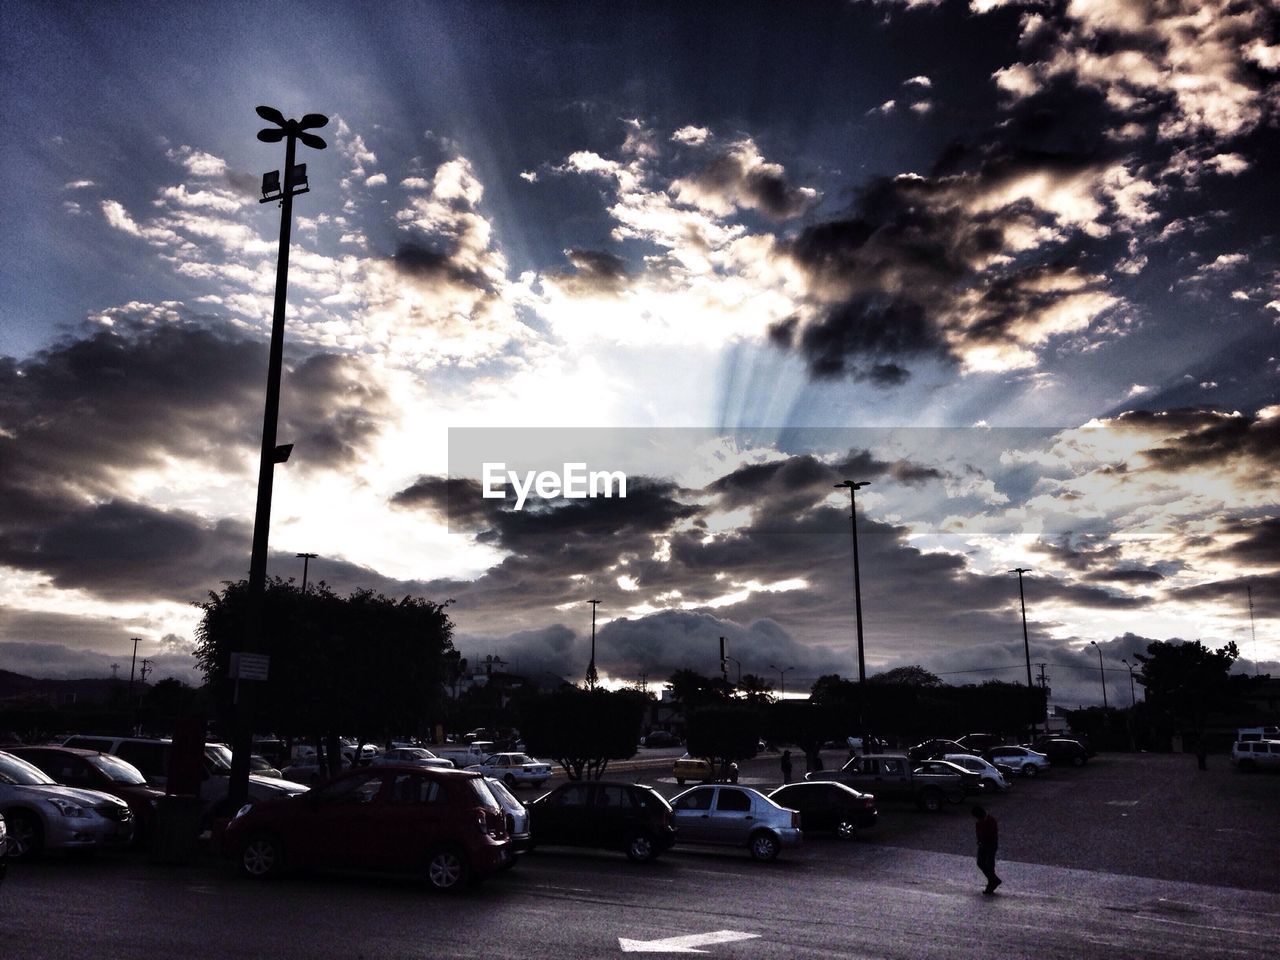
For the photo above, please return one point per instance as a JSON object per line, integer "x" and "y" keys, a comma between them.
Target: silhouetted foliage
{"x": 724, "y": 734}
{"x": 362, "y": 665}
{"x": 910, "y": 676}
{"x": 582, "y": 730}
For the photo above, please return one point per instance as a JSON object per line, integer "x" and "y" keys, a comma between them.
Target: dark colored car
{"x": 932, "y": 749}
{"x": 629, "y": 817}
{"x": 975, "y": 743}
{"x": 1079, "y": 738}
{"x": 445, "y": 824}
{"x": 661, "y": 738}
{"x": 1061, "y": 751}
{"x": 828, "y": 806}
{"x": 92, "y": 770}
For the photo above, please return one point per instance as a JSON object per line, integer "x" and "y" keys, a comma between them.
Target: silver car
{"x": 42, "y": 815}
{"x": 737, "y": 817}
{"x": 990, "y": 780}
{"x": 517, "y": 817}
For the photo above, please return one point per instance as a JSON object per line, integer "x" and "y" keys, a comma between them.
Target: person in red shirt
{"x": 988, "y": 840}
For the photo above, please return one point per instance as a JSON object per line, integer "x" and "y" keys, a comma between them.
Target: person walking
{"x": 988, "y": 840}
{"x": 786, "y": 766}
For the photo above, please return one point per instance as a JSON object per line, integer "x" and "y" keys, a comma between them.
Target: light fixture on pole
{"x": 857, "y": 582}
{"x": 1101, "y": 672}
{"x": 295, "y": 183}
{"x": 782, "y": 679}
{"x": 1133, "y": 697}
{"x": 591, "y": 667}
{"x": 1026, "y": 644}
{"x": 305, "y": 558}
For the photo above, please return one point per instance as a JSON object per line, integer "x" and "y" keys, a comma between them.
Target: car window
{"x": 413, "y": 788}
{"x": 359, "y": 788}
{"x": 891, "y": 767}
{"x": 734, "y": 801}
{"x": 615, "y": 797}
{"x": 694, "y": 800}
{"x": 649, "y": 799}
{"x": 117, "y": 770}
{"x": 88, "y": 743}
{"x": 13, "y": 770}
{"x": 574, "y": 795}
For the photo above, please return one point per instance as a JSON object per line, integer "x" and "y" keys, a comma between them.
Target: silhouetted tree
{"x": 724, "y": 734}
{"x": 582, "y": 730}
{"x": 911, "y": 676}
{"x": 756, "y": 690}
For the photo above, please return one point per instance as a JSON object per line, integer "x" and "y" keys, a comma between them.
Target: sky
{"x": 1011, "y": 263}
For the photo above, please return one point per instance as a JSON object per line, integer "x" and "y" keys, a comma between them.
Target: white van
{"x": 1245, "y": 734}
{"x": 463, "y": 755}
{"x": 1256, "y": 754}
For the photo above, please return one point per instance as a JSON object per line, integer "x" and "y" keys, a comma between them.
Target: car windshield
{"x": 484, "y": 795}
{"x": 414, "y": 753}
{"x": 21, "y": 773}
{"x": 117, "y": 770}
{"x": 521, "y": 758}
{"x": 504, "y": 796}
{"x": 220, "y": 757}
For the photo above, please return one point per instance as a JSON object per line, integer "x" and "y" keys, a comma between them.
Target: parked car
{"x": 514, "y": 769}
{"x": 151, "y": 756}
{"x": 828, "y": 806}
{"x": 444, "y": 823}
{"x": 977, "y": 742}
{"x": 990, "y": 779}
{"x": 4, "y": 844}
{"x": 258, "y": 764}
{"x": 72, "y": 767}
{"x": 701, "y": 768}
{"x": 735, "y": 816}
{"x": 1041, "y": 743}
{"x": 606, "y": 814}
{"x": 463, "y": 755}
{"x": 941, "y": 768}
{"x": 1027, "y": 762}
{"x": 42, "y": 815}
{"x": 894, "y": 776}
{"x": 1062, "y": 751}
{"x": 306, "y": 770}
{"x": 1250, "y": 755}
{"x": 660, "y": 738}
{"x": 517, "y": 815}
{"x": 419, "y": 756}
{"x": 932, "y": 749}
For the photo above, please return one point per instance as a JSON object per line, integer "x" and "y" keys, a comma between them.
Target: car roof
{"x": 76, "y": 751}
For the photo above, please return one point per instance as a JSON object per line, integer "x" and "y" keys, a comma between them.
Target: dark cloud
{"x": 740, "y": 177}
{"x": 48, "y": 659}
{"x": 141, "y": 395}
{"x": 1258, "y": 542}
{"x": 595, "y": 272}
{"x": 1213, "y": 438}
{"x": 427, "y": 262}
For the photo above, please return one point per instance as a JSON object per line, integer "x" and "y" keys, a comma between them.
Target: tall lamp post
{"x": 1101, "y": 672}
{"x": 857, "y": 583}
{"x": 782, "y": 679}
{"x": 1026, "y": 644}
{"x": 1133, "y": 697}
{"x": 591, "y": 667}
{"x": 295, "y": 183}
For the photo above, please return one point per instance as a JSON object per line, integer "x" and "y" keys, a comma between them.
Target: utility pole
{"x": 295, "y": 183}
{"x": 305, "y": 558}
{"x": 1026, "y": 644}
{"x": 592, "y": 677}
{"x": 132, "y": 665}
{"x": 1253, "y": 633}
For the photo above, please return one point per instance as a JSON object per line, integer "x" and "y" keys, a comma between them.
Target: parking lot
{"x": 1133, "y": 855}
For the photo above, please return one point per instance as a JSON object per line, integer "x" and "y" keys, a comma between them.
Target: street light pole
{"x": 782, "y": 679}
{"x": 857, "y": 583}
{"x": 1101, "y": 672}
{"x": 306, "y": 558}
{"x": 591, "y": 667}
{"x": 295, "y": 182}
{"x": 1026, "y": 644}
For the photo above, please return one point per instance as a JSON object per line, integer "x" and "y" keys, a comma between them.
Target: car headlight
{"x": 69, "y": 808}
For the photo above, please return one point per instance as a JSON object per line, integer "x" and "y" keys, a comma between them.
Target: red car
{"x": 90, "y": 769}
{"x": 444, "y": 824}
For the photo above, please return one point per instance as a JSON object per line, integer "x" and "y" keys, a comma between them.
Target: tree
{"x": 756, "y": 690}
{"x": 582, "y": 730}
{"x": 724, "y": 734}
{"x": 364, "y": 664}
{"x": 1186, "y": 681}
{"x": 911, "y": 676}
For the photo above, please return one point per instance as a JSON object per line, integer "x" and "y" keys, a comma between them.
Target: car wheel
{"x": 447, "y": 869}
{"x": 764, "y": 846}
{"x": 26, "y": 836}
{"x": 641, "y": 848}
{"x": 262, "y": 856}
{"x": 510, "y": 781}
{"x": 1030, "y": 770}
{"x": 931, "y": 800}
{"x": 846, "y": 829}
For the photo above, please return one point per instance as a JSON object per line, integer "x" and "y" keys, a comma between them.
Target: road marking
{"x": 686, "y": 944}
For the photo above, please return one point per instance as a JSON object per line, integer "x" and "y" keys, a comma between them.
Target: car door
{"x": 336, "y": 825}
{"x": 411, "y": 815}
{"x": 693, "y": 815}
{"x": 560, "y": 817}
{"x": 732, "y": 816}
